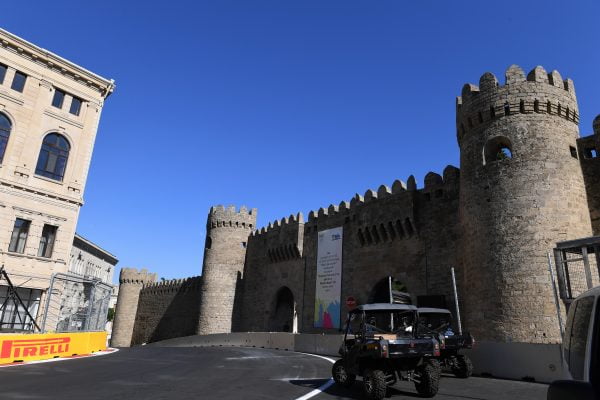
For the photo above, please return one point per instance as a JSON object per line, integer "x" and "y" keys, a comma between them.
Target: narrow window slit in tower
{"x": 549, "y": 107}
{"x": 368, "y": 236}
{"x": 375, "y": 235}
{"x": 391, "y": 230}
{"x": 399, "y": 229}
{"x": 506, "y": 108}
{"x": 559, "y": 110}
{"x": 492, "y": 112}
{"x": 536, "y": 106}
{"x": 382, "y": 231}
{"x": 573, "y": 152}
{"x": 361, "y": 238}
{"x": 590, "y": 152}
{"x": 522, "y": 106}
{"x": 480, "y": 117}
{"x": 409, "y": 227}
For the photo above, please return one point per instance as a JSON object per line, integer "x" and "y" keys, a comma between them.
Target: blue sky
{"x": 285, "y": 106}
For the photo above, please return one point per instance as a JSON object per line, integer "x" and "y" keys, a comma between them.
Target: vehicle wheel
{"x": 463, "y": 367}
{"x": 375, "y": 386}
{"x": 341, "y": 376}
{"x": 428, "y": 375}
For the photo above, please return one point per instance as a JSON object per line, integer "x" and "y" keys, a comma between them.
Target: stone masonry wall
{"x": 274, "y": 261}
{"x": 167, "y": 310}
{"x": 514, "y": 210}
{"x": 589, "y": 157}
{"x": 394, "y": 231}
{"x": 224, "y": 255}
{"x": 131, "y": 282}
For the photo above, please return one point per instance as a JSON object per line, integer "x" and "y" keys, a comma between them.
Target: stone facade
{"x": 526, "y": 181}
{"x": 131, "y": 283}
{"x": 224, "y": 254}
{"x": 167, "y": 309}
{"x": 30, "y": 77}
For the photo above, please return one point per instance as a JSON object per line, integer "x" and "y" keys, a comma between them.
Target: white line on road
{"x": 321, "y": 388}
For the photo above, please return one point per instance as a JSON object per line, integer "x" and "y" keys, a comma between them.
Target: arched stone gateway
{"x": 284, "y": 317}
{"x": 381, "y": 292}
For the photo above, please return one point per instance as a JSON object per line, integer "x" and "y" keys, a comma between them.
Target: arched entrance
{"x": 381, "y": 292}
{"x": 284, "y": 317}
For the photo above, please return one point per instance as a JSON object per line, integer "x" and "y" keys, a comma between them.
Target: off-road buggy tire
{"x": 429, "y": 378}
{"x": 463, "y": 367}
{"x": 341, "y": 375}
{"x": 375, "y": 386}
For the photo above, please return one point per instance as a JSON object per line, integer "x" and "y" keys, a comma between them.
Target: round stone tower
{"x": 131, "y": 281}
{"x": 227, "y": 232}
{"x": 521, "y": 191}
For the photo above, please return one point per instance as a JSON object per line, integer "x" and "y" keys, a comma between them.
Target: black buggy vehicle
{"x": 437, "y": 322}
{"x": 381, "y": 344}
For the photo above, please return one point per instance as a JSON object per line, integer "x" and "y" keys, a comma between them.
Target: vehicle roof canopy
{"x": 384, "y": 307}
{"x": 427, "y": 310}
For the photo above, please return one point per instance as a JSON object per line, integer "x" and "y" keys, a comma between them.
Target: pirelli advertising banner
{"x": 30, "y": 347}
{"x": 329, "y": 279}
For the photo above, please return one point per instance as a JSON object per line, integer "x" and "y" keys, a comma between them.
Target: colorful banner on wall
{"x": 329, "y": 279}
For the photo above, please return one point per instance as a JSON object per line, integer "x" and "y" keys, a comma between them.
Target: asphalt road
{"x": 152, "y": 373}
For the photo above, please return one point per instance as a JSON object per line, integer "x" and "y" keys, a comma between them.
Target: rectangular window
{"x": 590, "y": 152}
{"x": 18, "y": 82}
{"x": 19, "y": 236}
{"x": 573, "y": 151}
{"x": 59, "y": 97}
{"x": 47, "y": 241}
{"x": 2, "y": 73}
{"x": 12, "y": 315}
{"x": 75, "y": 106}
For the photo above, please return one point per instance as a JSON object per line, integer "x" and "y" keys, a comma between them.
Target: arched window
{"x": 53, "y": 157}
{"x": 5, "y": 127}
{"x": 497, "y": 148}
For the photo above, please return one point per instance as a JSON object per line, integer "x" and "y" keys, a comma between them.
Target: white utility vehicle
{"x": 581, "y": 351}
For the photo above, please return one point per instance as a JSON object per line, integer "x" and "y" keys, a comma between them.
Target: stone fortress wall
{"x": 167, "y": 309}
{"x": 493, "y": 220}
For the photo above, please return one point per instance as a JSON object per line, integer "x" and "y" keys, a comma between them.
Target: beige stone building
{"x": 49, "y": 114}
{"x": 86, "y": 288}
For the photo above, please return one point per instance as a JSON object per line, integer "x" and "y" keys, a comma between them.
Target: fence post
{"x": 556, "y": 301}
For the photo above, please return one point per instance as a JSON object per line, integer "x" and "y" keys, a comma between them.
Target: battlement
{"x": 537, "y": 93}
{"x": 220, "y": 216}
{"x": 174, "y": 285}
{"x": 132, "y": 275}
{"x": 432, "y": 182}
{"x": 596, "y": 125}
{"x": 293, "y": 221}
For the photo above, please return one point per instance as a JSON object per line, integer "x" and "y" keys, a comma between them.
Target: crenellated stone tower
{"x": 131, "y": 282}
{"x": 521, "y": 191}
{"x": 227, "y": 232}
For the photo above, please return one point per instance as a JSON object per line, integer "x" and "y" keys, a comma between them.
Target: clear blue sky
{"x": 285, "y": 106}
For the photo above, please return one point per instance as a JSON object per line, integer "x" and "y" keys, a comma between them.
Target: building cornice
{"x": 110, "y": 258}
{"x": 43, "y": 57}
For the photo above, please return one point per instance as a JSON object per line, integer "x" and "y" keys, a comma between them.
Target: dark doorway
{"x": 284, "y": 317}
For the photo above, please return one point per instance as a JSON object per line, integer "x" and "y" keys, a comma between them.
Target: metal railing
{"x": 75, "y": 303}
{"x": 577, "y": 266}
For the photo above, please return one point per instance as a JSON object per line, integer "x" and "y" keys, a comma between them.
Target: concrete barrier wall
{"x": 540, "y": 362}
